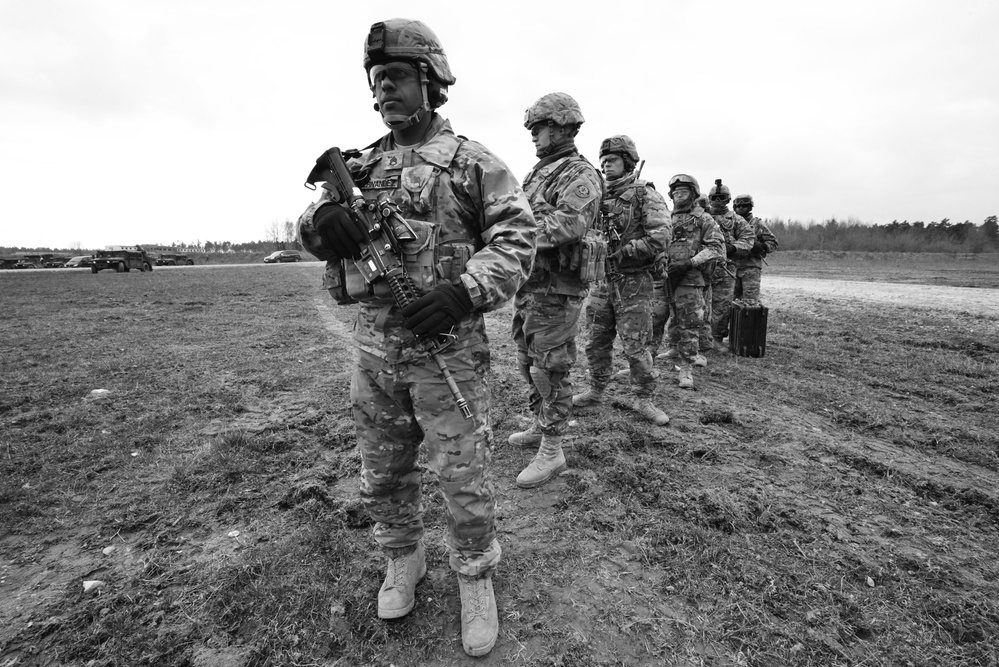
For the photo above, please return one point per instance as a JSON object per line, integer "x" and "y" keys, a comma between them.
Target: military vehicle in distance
{"x": 174, "y": 259}
{"x": 122, "y": 258}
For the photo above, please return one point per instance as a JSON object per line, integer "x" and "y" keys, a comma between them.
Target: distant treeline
{"x": 905, "y": 236}
{"x": 178, "y": 247}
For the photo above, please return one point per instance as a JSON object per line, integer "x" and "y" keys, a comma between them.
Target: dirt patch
{"x": 834, "y": 502}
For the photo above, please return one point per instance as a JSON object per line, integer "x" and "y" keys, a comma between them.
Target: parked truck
{"x": 122, "y": 259}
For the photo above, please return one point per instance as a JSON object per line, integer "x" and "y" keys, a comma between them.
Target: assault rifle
{"x": 384, "y": 230}
{"x": 613, "y": 272}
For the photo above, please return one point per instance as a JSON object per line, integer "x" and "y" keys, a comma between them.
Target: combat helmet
{"x": 684, "y": 179}
{"x": 558, "y": 108}
{"x": 619, "y": 144}
{"x": 411, "y": 41}
{"x": 743, "y": 200}
{"x": 720, "y": 189}
{"x": 405, "y": 39}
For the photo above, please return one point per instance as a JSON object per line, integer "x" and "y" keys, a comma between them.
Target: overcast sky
{"x": 153, "y": 121}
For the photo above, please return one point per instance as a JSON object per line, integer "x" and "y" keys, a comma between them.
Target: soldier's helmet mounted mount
{"x": 720, "y": 192}
{"x": 413, "y": 42}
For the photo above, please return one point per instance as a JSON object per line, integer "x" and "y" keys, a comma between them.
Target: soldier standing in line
{"x": 564, "y": 191}
{"x": 696, "y": 245}
{"x": 636, "y": 220}
{"x": 473, "y": 248}
{"x": 739, "y": 237}
{"x": 749, "y": 265}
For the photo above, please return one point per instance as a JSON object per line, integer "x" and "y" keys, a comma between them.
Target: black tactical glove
{"x": 437, "y": 311}
{"x": 759, "y": 249}
{"x": 339, "y": 231}
{"x": 730, "y": 250}
{"x": 677, "y": 270}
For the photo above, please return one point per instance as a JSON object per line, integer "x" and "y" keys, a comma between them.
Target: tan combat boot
{"x": 548, "y": 462}
{"x": 529, "y": 438}
{"x": 590, "y": 397}
{"x": 398, "y": 592}
{"x": 686, "y": 378}
{"x": 700, "y": 360}
{"x": 644, "y": 407}
{"x": 479, "y": 620}
{"x": 670, "y": 353}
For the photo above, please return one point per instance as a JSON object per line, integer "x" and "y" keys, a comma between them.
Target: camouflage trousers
{"x": 747, "y": 284}
{"x": 545, "y": 327}
{"x": 660, "y": 314}
{"x": 622, "y": 308}
{"x": 719, "y": 307}
{"x": 396, "y": 407}
{"x": 686, "y": 321}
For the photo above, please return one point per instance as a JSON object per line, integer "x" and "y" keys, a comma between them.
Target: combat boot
{"x": 590, "y": 397}
{"x": 670, "y": 353}
{"x": 529, "y": 438}
{"x": 700, "y": 360}
{"x": 686, "y": 378}
{"x": 548, "y": 462}
{"x": 479, "y": 619}
{"x": 398, "y": 592}
{"x": 644, "y": 407}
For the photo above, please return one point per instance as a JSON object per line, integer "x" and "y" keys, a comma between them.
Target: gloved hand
{"x": 730, "y": 250}
{"x": 759, "y": 249}
{"x": 677, "y": 270}
{"x": 339, "y": 231}
{"x": 623, "y": 252}
{"x": 437, "y": 311}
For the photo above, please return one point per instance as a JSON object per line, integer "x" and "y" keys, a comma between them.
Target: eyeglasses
{"x": 718, "y": 198}
{"x": 397, "y": 72}
{"x": 742, "y": 204}
{"x": 537, "y": 127}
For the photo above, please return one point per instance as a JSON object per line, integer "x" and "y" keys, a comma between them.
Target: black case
{"x": 747, "y": 330}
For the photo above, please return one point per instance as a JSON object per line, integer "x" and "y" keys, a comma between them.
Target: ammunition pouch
{"x": 588, "y": 258}
{"x": 426, "y": 261}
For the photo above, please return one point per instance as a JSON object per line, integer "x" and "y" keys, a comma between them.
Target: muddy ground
{"x": 835, "y": 502}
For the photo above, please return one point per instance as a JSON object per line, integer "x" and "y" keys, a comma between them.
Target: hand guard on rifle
{"x": 759, "y": 249}
{"x": 438, "y": 311}
{"x": 339, "y": 232}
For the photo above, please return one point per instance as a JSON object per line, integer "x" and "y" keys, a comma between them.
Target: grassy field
{"x": 835, "y": 502}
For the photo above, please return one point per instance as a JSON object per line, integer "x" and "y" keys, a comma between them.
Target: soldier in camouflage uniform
{"x": 564, "y": 190}
{"x": 661, "y": 313}
{"x": 636, "y": 220}
{"x": 475, "y": 237}
{"x": 697, "y": 244}
{"x": 749, "y": 265}
{"x": 739, "y": 237}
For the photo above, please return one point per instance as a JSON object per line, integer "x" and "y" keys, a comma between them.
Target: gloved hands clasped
{"x": 339, "y": 231}
{"x": 730, "y": 250}
{"x": 437, "y": 311}
{"x": 759, "y": 249}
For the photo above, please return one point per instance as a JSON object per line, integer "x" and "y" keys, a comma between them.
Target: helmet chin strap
{"x": 396, "y": 121}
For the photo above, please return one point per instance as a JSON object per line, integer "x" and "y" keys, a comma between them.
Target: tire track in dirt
{"x": 940, "y": 474}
